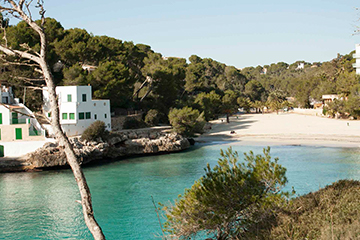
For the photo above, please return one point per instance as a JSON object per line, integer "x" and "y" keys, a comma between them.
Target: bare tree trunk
{"x": 71, "y": 158}
{"x": 16, "y": 9}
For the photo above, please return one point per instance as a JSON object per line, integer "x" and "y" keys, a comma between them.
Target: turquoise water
{"x": 41, "y": 205}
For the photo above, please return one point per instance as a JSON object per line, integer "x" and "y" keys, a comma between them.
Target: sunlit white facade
{"x": 77, "y": 109}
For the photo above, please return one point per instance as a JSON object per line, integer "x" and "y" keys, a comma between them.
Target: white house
{"x": 300, "y": 66}
{"x": 77, "y": 109}
{"x": 17, "y": 123}
{"x": 357, "y": 57}
{"x": 331, "y": 97}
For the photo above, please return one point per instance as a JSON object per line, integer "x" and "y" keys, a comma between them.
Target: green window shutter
{"x": 2, "y": 151}
{"x": 84, "y": 97}
{"x": 18, "y": 133}
{"x": 64, "y": 116}
{"x": 72, "y": 116}
{"x": 88, "y": 115}
{"x": 0, "y": 118}
{"x": 81, "y": 116}
{"x": 49, "y": 114}
{"x": 69, "y": 97}
{"x": 0, "y": 133}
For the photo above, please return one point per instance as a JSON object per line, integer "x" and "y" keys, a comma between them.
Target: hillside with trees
{"x": 135, "y": 77}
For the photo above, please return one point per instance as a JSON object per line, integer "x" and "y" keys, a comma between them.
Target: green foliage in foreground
{"x": 330, "y": 213}
{"x": 230, "y": 198}
{"x": 96, "y": 130}
{"x": 186, "y": 121}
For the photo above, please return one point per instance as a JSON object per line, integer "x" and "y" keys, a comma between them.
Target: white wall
{"x": 12, "y": 149}
{"x": 357, "y": 53}
{"x": 98, "y": 109}
{"x": 5, "y": 115}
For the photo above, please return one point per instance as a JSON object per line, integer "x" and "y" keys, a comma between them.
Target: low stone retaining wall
{"x": 305, "y": 111}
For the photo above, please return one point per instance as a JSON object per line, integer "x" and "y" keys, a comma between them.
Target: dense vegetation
{"x": 243, "y": 200}
{"x": 95, "y": 131}
{"x": 133, "y": 76}
{"x": 230, "y": 198}
{"x": 330, "y": 213}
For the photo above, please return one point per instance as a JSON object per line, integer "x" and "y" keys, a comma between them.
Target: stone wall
{"x": 117, "y": 122}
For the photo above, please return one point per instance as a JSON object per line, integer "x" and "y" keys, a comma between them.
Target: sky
{"x": 235, "y": 32}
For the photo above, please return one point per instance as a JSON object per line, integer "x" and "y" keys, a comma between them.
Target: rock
{"x": 191, "y": 141}
{"x": 118, "y": 145}
{"x": 132, "y": 135}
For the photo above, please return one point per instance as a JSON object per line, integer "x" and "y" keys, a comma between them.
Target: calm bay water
{"x": 42, "y": 205}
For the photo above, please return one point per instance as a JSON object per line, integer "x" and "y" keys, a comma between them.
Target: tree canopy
{"x": 227, "y": 200}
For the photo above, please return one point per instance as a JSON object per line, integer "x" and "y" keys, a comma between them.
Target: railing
{"x": 18, "y": 121}
{"x": 34, "y": 132}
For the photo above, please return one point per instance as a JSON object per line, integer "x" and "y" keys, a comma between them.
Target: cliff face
{"x": 127, "y": 143}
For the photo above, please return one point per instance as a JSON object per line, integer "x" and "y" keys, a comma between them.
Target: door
{"x": 18, "y": 133}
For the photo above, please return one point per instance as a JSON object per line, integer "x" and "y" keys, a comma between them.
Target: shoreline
{"x": 285, "y": 129}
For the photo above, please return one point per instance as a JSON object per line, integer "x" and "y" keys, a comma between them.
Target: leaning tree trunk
{"x": 90, "y": 221}
{"x": 16, "y": 9}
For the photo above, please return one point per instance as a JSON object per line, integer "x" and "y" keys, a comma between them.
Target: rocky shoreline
{"x": 118, "y": 145}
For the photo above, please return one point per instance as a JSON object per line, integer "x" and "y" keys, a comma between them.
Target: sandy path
{"x": 285, "y": 129}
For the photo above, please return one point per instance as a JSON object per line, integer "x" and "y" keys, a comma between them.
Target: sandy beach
{"x": 284, "y": 129}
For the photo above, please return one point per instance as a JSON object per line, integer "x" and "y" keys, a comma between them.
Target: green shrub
{"x": 230, "y": 198}
{"x": 152, "y": 117}
{"x": 133, "y": 123}
{"x": 187, "y": 121}
{"x": 94, "y": 131}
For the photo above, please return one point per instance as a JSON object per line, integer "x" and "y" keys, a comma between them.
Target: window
{"x": 69, "y": 97}
{"x": 94, "y": 104}
{"x": 64, "y": 116}
{"x": 0, "y": 118}
{"x": 105, "y": 115}
{"x": 0, "y": 134}
{"x": 49, "y": 114}
{"x": 104, "y": 103}
{"x": 95, "y": 116}
{"x": 72, "y": 116}
{"x": 84, "y": 97}
{"x": 14, "y": 117}
{"x": 88, "y": 115}
{"x": 81, "y": 116}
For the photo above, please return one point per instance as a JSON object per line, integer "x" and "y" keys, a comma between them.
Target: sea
{"x": 42, "y": 205}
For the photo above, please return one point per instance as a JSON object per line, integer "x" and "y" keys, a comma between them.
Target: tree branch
{"x": 8, "y": 63}
{"x": 21, "y": 54}
{"x": 40, "y": 59}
